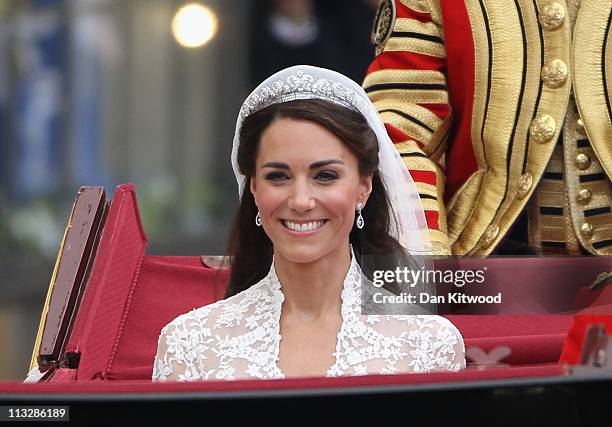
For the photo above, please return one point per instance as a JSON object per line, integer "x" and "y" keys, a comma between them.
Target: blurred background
{"x": 102, "y": 92}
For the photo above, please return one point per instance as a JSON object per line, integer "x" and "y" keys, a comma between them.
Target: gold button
{"x": 554, "y": 73}
{"x": 524, "y": 185}
{"x": 490, "y": 235}
{"x": 583, "y": 161}
{"x": 552, "y": 16}
{"x": 586, "y": 230}
{"x": 542, "y": 128}
{"x": 584, "y": 196}
{"x": 580, "y": 127}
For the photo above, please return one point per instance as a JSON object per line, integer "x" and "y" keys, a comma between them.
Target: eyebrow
{"x": 315, "y": 165}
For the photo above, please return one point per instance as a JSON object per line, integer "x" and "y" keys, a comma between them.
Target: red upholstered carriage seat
{"x": 130, "y": 296}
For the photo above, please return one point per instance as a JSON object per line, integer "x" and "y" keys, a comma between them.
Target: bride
{"x": 321, "y": 188}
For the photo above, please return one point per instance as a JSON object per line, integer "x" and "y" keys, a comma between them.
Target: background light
{"x": 194, "y": 25}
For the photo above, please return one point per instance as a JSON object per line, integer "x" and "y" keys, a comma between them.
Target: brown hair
{"x": 249, "y": 245}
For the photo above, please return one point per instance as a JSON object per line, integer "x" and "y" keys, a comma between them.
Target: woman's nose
{"x": 301, "y": 198}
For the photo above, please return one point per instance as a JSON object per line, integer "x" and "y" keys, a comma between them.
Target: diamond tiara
{"x": 300, "y": 86}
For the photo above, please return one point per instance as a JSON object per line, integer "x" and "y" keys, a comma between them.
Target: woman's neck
{"x": 313, "y": 290}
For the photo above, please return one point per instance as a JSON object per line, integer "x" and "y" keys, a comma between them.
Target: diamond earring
{"x": 258, "y": 219}
{"x": 360, "y": 221}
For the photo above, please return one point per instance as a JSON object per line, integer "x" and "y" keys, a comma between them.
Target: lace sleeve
{"x": 184, "y": 351}
{"x": 167, "y": 367}
{"x": 435, "y": 345}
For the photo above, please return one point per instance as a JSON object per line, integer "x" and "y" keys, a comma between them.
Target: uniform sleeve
{"x": 407, "y": 84}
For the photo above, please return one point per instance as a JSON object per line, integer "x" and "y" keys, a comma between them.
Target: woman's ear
{"x": 365, "y": 188}
{"x": 253, "y": 188}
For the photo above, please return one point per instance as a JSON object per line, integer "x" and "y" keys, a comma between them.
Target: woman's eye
{"x": 327, "y": 176}
{"x": 276, "y": 176}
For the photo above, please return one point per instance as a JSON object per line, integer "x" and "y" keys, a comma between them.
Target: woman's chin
{"x": 306, "y": 253}
{"x": 300, "y": 254}
{"x": 302, "y": 257}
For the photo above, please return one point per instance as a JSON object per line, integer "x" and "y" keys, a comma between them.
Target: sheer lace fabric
{"x": 238, "y": 338}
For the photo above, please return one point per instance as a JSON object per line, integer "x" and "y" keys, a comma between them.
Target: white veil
{"x": 308, "y": 82}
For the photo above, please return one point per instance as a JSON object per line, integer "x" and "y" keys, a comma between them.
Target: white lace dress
{"x": 238, "y": 338}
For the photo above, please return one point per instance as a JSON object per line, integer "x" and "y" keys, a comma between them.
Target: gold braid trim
{"x": 601, "y": 192}
{"x": 495, "y": 100}
{"x": 426, "y": 6}
{"x": 440, "y": 244}
{"x": 423, "y": 47}
{"x": 409, "y": 25}
{"x": 417, "y": 96}
{"x": 422, "y": 164}
{"x": 420, "y": 113}
{"x": 603, "y": 230}
{"x": 591, "y": 44}
{"x": 500, "y": 132}
{"x": 411, "y": 146}
{"x": 438, "y": 141}
{"x": 420, "y": 123}
{"x": 429, "y": 204}
{"x": 399, "y": 43}
{"x": 543, "y": 227}
{"x": 461, "y": 206}
{"x": 593, "y": 90}
{"x": 404, "y": 76}
{"x": 408, "y": 146}
{"x": 531, "y": 164}
{"x": 407, "y": 126}
{"x": 440, "y": 188}
{"x": 424, "y": 188}
{"x": 405, "y": 102}
{"x": 417, "y": 5}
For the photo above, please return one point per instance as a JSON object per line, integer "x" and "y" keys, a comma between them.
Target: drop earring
{"x": 360, "y": 221}
{"x": 258, "y": 219}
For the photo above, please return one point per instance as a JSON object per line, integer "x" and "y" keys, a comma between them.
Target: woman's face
{"x": 306, "y": 186}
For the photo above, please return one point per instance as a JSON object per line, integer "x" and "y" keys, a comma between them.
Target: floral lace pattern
{"x": 239, "y": 338}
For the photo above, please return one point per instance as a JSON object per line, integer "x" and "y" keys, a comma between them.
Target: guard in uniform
{"x": 501, "y": 109}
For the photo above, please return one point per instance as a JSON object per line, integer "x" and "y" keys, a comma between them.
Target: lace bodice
{"x": 239, "y": 338}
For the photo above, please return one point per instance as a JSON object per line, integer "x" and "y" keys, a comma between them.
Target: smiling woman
{"x": 313, "y": 164}
{"x": 307, "y": 201}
